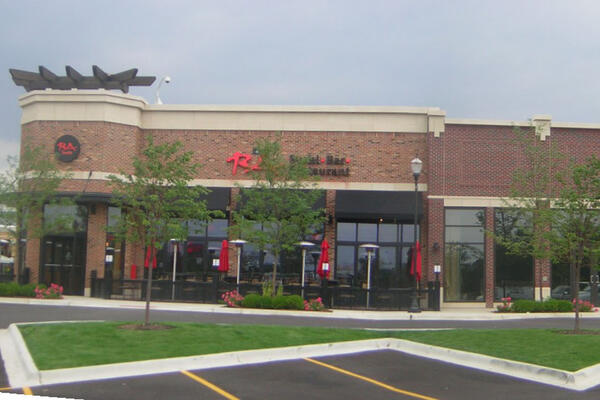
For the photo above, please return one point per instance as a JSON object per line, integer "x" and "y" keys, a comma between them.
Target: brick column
{"x": 96, "y": 243}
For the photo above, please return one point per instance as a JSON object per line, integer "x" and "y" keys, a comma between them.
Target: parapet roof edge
{"x": 81, "y": 95}
{"x": 76, "y": 95}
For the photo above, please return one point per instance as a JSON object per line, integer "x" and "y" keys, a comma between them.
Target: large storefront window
{"x": 513, "y": 272}
{"x": 256, "y": 262}
{"x": 389, "y": 263}
{"x": 195, "y": 256}
{"x": 464, "y": 255}
{"x": 64, "y": 247}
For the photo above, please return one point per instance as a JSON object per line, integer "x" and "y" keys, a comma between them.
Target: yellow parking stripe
{"x": 6, "y": 388}
{"x": 27, "y": 391}
{"x": 210, "y": 385}
{"x": 373, "y": 381}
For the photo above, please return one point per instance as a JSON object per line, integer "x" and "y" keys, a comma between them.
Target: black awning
{"x": 217, "y": 199}
{"x": 362, "y": 204}
{"x": 319, "y": 203}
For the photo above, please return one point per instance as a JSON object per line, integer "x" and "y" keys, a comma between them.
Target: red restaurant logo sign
{"x": 245, "y": 161}
{"x": 323, "y": 166}
{"x": 67, "y": 148}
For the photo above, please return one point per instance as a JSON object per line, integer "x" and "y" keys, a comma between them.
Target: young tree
{"x": 524, "y": 221}
{"x": 31, "y": 182}
{"x": 575, "y": 223}
{"x": 281, "y": 200}
{"x": 156, "y": 200}
{"x": 552, "y": 212}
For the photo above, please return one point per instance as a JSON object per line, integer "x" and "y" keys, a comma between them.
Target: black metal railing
{"x": 210, "y": 291}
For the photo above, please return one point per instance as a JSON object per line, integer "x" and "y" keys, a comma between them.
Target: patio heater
{"x": 370, "y": 247}
{"x": 239, "y": 243}
{"x": 174, "y": 243}
{"x": 416, "y": 165}
{"x": 305, "y": 246}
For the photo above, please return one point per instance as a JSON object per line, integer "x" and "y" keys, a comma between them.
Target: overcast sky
{"x": 477, "y": 59}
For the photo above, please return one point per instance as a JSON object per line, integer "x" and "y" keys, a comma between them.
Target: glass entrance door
{"x": 63, "y": 263}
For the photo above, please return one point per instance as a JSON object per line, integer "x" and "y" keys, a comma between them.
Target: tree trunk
{"x": 149, "y": 285}
{"x": 577, "y": 323}
{"x": 274, "y": 275}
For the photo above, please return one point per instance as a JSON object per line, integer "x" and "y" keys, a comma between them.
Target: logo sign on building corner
{"x": 67, "y": 148}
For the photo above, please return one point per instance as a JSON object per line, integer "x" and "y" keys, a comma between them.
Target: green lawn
{"x": 92, "y": 343}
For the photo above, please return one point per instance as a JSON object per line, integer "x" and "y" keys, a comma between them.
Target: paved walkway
{"x": 456, "y": 313}
{"x": 21, "y": 370}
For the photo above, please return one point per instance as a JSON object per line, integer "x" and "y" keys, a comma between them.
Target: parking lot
{"x": 373, "y": 375}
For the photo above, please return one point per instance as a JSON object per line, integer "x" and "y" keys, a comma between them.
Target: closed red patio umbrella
{"x": 418, "y": 262}
{"x": 224, "y": 257}
{"x": 147, "y": 260}
{"x": 324, "y": 259}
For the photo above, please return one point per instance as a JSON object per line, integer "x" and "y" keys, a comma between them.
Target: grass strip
{"x": 93, "y": 343}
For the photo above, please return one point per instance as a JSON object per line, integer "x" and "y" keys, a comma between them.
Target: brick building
{"x": 363, "y": 156}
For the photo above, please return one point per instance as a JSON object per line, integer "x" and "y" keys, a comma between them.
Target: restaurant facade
{"x": 362, "y": 156}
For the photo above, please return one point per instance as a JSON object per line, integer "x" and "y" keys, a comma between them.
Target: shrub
{"x": 550, "y": 305}
{"x": 233, "y": 298}
{"x": 314, "y": 305}
{"x": 279, "y": 302}
{"x": 13, "y": 289}
{"x": 266, "y": 302}
{"x": 53, "y": 292}
{"x": 553, "y": 305}
{"x": 584, "y": 306}
{"x": 506, "y": 305}
{"x": 252, "y": 301}
{"x": 295, "y": 302}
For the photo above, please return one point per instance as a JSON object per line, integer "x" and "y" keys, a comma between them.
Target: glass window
{"x": 217, "y": 228}
{"x": 388, "y": 233}
{"x": 513, "y": 272}
{"x": 408, "y": 235}
{"x": 344, "y": 270}
{"x": 346, "y": 231}
{"x": 114, "y": 215}
{"x": 466, "y": 217}
{"x": 461, "y": 234}
{"x": 464, "y": 272}
{"x": 464, "y": 256}
{"x": 367, "y": 233}
{"x": 65, "y": 219}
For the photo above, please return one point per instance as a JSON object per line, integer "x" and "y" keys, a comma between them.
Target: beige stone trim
{"x": 398, "y": 187}
{"x": 100, "y": 105}
{"x": 465, "y": 121}
{"x": 542, "y": 125}
{"x": 471, "y": 201}
{"x": 436, "y": 123}
{"x": 545, "y": 293}
{"x": 81, "y": 105}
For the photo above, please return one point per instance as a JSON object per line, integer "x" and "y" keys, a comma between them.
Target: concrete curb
{"x": 23, "y": 372}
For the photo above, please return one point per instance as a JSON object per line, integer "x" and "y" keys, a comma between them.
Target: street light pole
{"x": 416, "y": 165}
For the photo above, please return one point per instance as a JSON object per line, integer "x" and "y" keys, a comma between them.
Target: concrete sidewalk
{"x": 456, "y": 313}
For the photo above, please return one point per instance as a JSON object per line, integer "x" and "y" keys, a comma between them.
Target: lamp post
{"x": 370, "y": 248}
{"x": 305, "y": 246}
{"x": 416, "y": 165}
{"x": 238, "y": 243}
{"x": 166, "y": 79}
